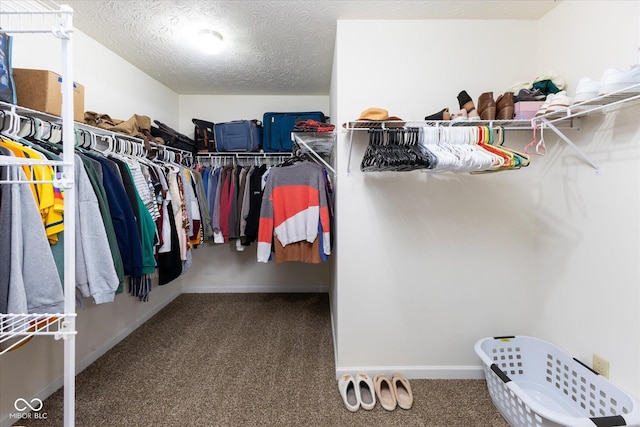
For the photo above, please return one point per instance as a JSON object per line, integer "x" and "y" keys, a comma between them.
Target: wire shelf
{"x": 359, "y": 125}
{"x": 32, "y": 16}
{"x": 17, "y": 329}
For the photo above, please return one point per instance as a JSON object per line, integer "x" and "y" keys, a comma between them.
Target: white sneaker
{"x": 349, "y": 392}
{"x": 615, "y": 80}
{"x": 365, "y": 391}
{"x": 559, "y": 101}
{"x": 587, "y": 89}
{"x": 545, "y": 106}
{"x": 555, "y": 103}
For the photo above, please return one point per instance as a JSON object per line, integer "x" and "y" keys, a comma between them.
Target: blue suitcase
{"x": 278, "y": 127}
{"x": 238, "y": 135}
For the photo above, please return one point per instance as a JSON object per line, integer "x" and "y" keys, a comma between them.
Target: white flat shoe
{"x": 349, "y": 392}
{"x": 366, "y": 391}
{"x": 384, "y": 390}
{"x": 402, "y": 390}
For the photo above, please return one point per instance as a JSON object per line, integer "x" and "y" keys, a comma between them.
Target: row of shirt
{"x": 133, "y": 216}
{"x": 286, "y": 209}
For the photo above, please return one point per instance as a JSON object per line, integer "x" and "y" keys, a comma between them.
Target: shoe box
{"x": 41, "y": 90}
{"x": 526, "y": 110}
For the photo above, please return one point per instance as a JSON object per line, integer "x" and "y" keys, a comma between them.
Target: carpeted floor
{"x": 246, "y": 360}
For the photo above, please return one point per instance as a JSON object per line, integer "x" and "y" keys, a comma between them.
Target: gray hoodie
{"x": 95, "y": 272}
{"x": 29, "y": 280}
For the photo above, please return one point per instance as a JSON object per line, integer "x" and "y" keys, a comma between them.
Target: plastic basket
{"x": 535, "y": 384}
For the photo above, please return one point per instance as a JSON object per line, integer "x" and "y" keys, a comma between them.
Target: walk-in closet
{"x": 416, "y": 255}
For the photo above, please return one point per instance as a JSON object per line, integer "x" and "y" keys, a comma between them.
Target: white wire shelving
{"x": 563, "y": 118}
{"x": 40, "y": 17}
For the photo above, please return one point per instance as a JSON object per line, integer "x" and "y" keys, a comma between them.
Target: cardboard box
{"x": 41, "y": 90}
{"x": 526, "y": 110}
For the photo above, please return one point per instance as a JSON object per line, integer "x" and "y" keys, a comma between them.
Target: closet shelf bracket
{"x": 349, "y": 158}
{"x": 307, "y": 140}
{"x": 566, "y": 139}
{"x": 62, "y": 182}
{"x": 67, "y": 328}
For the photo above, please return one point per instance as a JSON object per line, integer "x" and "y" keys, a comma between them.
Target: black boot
{"x": 465, "y": 101}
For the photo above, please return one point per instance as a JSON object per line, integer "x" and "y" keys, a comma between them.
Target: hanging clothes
{"x": 255, "y": 191}
{"x": 49, "y": 200}
{"x": 29, "y": 280}
{"x": 294, "y": 208}
{"x": 94, "y": 277}
{"x": 123, "y": 217}
{"x": 94, "y": 173}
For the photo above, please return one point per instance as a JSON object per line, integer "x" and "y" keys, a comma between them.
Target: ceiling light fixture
{"x": 210, "y": 41}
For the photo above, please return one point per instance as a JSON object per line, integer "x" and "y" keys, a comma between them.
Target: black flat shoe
{"x": 440, "y": 115}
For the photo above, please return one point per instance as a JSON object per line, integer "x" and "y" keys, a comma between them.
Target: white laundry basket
{"x": 535, "y": 384}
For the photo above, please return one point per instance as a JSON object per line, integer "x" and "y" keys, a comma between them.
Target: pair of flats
{"x": 361, "y": 392}
{"x": 357, "y": 392}
{"x": 394, "y": 391}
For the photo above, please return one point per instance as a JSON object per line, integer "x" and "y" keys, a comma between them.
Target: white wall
{"x": 219, "y": 267}
{"x": 427, "y": 265}
{"x": 588, "y": 229}
{"x": 112, "y": 86}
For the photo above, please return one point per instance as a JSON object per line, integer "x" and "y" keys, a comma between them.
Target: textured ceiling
{"x": 273, "y": 47}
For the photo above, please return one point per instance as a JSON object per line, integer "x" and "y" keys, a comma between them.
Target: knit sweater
{"x": 294, "y": 205}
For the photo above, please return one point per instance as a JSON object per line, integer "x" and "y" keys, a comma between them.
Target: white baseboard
{"x": 50, "y": 388}
{"x": 418, "y": 372}
{"x": 250, "y": 289}
{"x": 334, "y": 332}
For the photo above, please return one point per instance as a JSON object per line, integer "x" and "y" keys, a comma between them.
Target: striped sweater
{"x": 294, "y": 207}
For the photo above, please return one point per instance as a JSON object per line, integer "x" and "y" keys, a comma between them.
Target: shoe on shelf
{"x": 559, "y": 101}
{"x": 473, "y": 115}
{"x": 384, "y": 390}
{"x": 587, "y": 89}
{"x": 555, "y": 102}
{"x": 544, "y": 107}
{"x": 615, "y": 80}
{"x": 465, "y": 101}
{"x": 349, "y": 392}
{"x": 504, "y": 106}
{"x": 402, "y": 390}
{"x": 487, "y": 106}
{"x": 366, "y": 391}
{"x": 529, "y": 95}
{"x": 461, "y": 116}
{"x": 440, "y": 115}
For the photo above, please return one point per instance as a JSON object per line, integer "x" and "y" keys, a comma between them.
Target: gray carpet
{"x": 246, "y": 360}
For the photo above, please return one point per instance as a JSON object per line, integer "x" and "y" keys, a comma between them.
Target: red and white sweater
{"x": 294, "y": 208}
